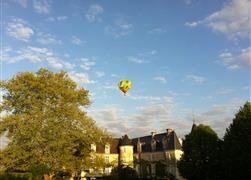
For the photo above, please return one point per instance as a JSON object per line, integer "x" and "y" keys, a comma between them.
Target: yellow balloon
{"x": 124, "y": 85}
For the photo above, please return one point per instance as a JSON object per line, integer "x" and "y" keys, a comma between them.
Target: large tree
{"x": 237, "y": 145}
{"x": 200, "y": 159}
{"x": 47, "y": 127}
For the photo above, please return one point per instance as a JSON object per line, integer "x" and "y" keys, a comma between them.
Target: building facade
{"x": 151, "y": 156}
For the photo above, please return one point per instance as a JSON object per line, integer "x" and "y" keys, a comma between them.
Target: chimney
{"x": 153, "y": 133}
{"x": 169, "y": 131}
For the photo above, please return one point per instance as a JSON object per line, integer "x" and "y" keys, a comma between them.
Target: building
{"x": 148, "y": 154}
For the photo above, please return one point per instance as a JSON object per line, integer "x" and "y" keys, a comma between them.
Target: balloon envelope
{"x": 124, "y": 85}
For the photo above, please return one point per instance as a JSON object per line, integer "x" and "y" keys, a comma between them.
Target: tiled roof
{"x": 164, "y": 141}
{"x": 171, "y": 139}
{"x": 114, "y": 145}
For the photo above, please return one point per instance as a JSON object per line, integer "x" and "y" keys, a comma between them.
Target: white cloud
{"x": 110, "y": 86}
{"x": 86, "y": 63}
{"x": 140, "y": 58}
{"x": 236, "y": 61}
{"x": 100, "y": 74}
{"x": 147, "y": 98}
{"x": 58, "y": 18}
{"x": 137, "y": 60}
{"x": 19, "y": 29}
{"x": 35, "y": 55}
{"x": 81, "y": 78}
{"x": 233, "y": 20}
{"x": 75, "y": 40}
{"x": 206, "y": 98}
{"x": 195, "y": 78}
{"x": 93, "y": 13}
{"x": 156, "y": 30}
{"x": 46, "y": 39}
{"x": 42, "y": 6}
{"x": 219, "y": 116}
{"x": 160, "y": 79}
{"x": 117, "y": 121}
{"x": 193, "y": 24}
{"x": 224, "y": 91}
{"x": 119, "y": 28}
{"x": 23, "y": 3}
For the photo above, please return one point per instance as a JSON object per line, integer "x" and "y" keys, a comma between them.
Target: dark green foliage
{"x": 160, "y": 169}
{"x": 15, "y": 176}
{"x": 124, "y": 173}
{"x": 237, "y": 145}
{"x": 201, "y": 154}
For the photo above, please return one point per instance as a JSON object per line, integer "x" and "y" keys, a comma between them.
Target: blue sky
{"x": 187, "y": 59}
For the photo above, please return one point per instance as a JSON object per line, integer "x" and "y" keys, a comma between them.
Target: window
{"x": 124, "y": 159}
{"x": 107, "y": 149}
{"x": 93, "y": 147}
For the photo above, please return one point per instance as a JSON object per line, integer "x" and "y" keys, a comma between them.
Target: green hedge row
{"x": 15, "y": 176}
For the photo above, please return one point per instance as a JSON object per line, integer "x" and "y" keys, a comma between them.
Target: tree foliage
{"x": 124, "y": 173}
{"x": 46, "y": 124}
{"x": 200, "y": 159}
{"x": 237, "y": 145}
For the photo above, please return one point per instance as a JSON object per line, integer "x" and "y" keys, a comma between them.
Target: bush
{"x": 15, "y": 176}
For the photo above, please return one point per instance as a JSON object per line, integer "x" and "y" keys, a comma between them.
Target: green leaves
{"x": 45, "y": 123}
{"x": 200, "y": 156}
{"x": 237, "y": 145}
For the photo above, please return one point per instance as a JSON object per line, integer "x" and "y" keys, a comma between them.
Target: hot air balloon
{"x": 124, "y": 85}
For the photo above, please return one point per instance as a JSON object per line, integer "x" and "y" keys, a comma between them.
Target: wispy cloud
{"x": 94, "y": 12}
{"x": 157, "y": 116}
{"x": 81, "y": 78}
{"x": 147, "y": 98}
{"x": 219, "y": 116}
{"x": 58, "y": 18}
{"x": 42, "y": 6}
{"x": 46, "y": 39}
{"x": 119, "y": 28}
{"x": 23, "y": 3}
{"x": 232, "y": 20}
{"x": 225, "y": 91}
{"x": 242, "y": 60}
{"x": 193, "y": 24}
{"x": 19, "y": 29}
{"x": 156, "y": 30}
{"x": 141, "y": 58}
{"x": 99, "y": 74}
{"x": 75, "y": 40}
{"x": 86, "y": 63}
{"x": 160, "y": 79}
{"x": 137, "y": 60}
{"x": 196, "y": 78}
{"x": 35, "y": 55}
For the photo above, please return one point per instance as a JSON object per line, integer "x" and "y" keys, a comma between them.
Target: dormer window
{"x": 164, "y": 143}
{"x": 93, "y": 147}
{"x": 107, "y": 149}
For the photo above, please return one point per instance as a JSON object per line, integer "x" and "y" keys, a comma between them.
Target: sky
{"x": 188, "y": 60}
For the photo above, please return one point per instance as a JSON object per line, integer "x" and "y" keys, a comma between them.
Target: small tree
{"x": 237, "y": 145}
{"x": 201, "y": 154}
{"x": 46, "y": 126}
{"x": 124, "y": 173}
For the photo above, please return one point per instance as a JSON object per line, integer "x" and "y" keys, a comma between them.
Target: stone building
{"x": 145, "y": 154}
